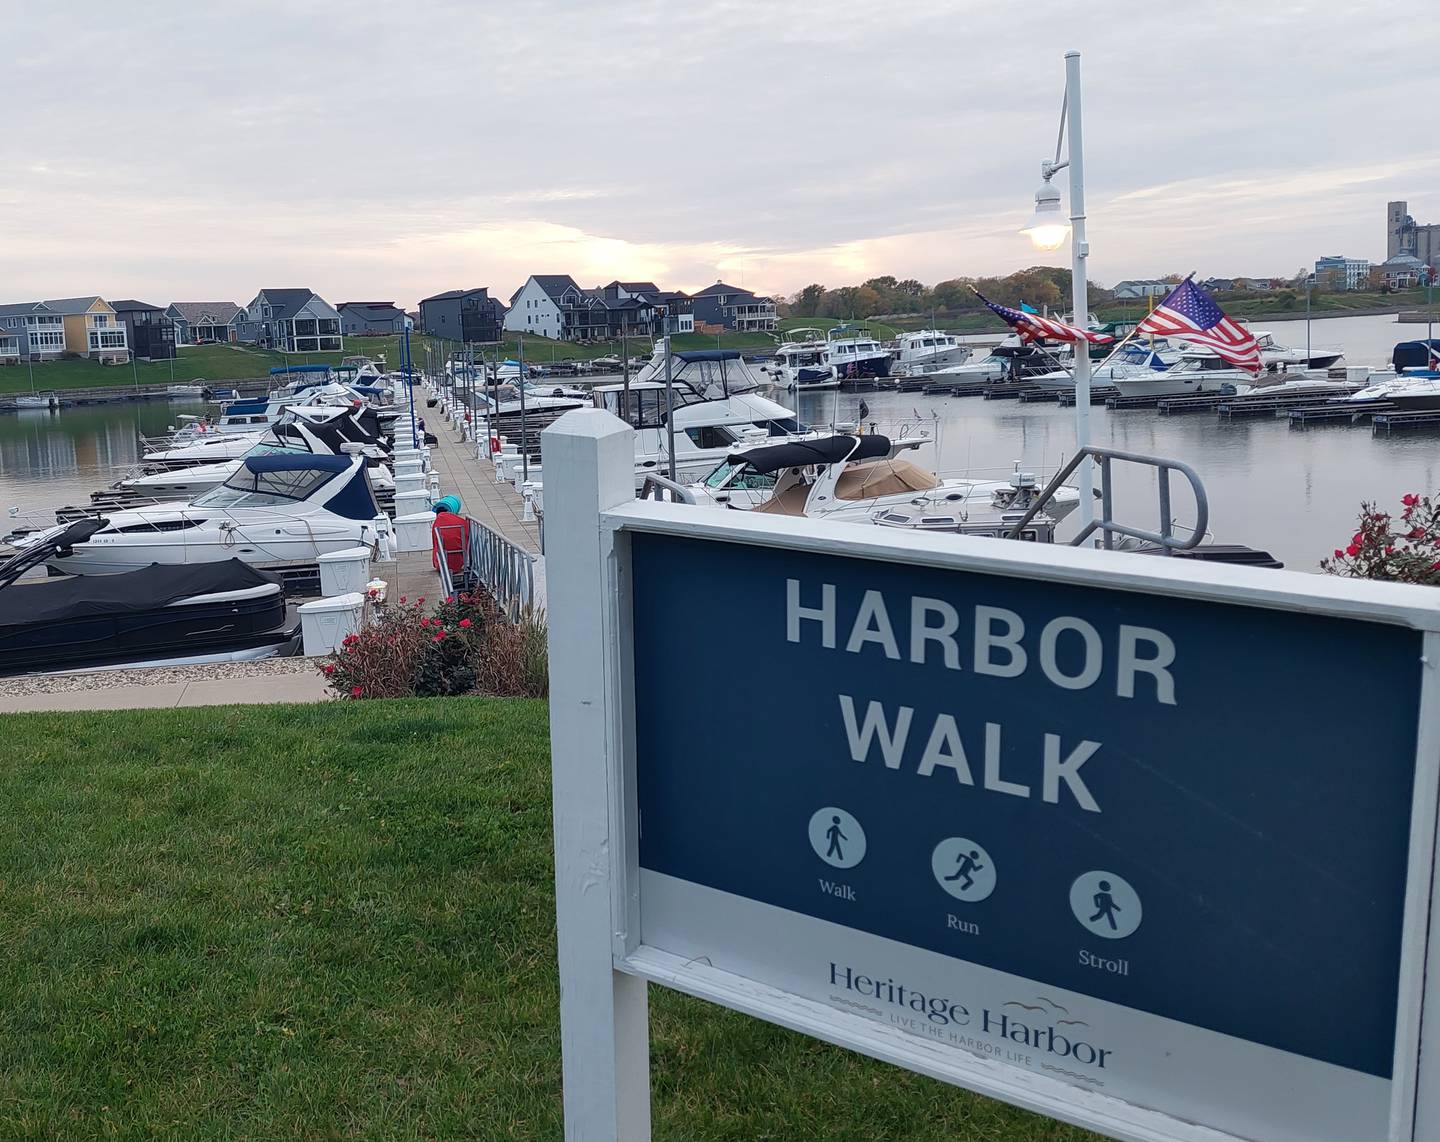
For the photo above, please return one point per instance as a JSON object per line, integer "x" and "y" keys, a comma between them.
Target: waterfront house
{"x": 1403, "y": 271}
{"x": 150, "y": 332}
{"x": 467, "y": 315}
{"x": 539, "y": 306}
{"x": 9, "y": 346}
{"x": 204, "y": 322}
{"x": 370, "y": 318}
{"x": 730, "y": 307}
{"x": 37, "y": 332}
{"x": 680, "y": 308}
{"x": 292, "y": 320}
{"x": 92, "y": 329}
{"x": 1140, "y": 287}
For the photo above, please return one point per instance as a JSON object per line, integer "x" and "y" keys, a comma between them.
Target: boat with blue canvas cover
{"x": 274, "y": 511}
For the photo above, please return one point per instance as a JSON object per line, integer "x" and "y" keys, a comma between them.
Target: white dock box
{"x": 412, "y": 532}
{"x": 325, "y": 623}
{"x": 407, "y": 503}
{"x": 410, "y": 482}
{"x": 408, "y": 467}
{"x": 344, "y": 572}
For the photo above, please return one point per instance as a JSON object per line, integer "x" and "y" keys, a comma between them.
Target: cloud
{"x": 177, "y": 151}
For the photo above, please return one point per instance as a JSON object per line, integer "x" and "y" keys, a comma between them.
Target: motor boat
{"x": 1131, "y": 361}
{"x": 716, "y": 405}
{"x": 1196, "y": 373}
{"x": 854, "y": 355}
{"x": 364, "y": 427}
{"x": 46, "y": 401}
{"x": 1011, "y": 360}
{"x": 502, "y": 406}
{"x": 1420, "y": 391}
{"x": 274, "y": 511}
{"x": 1275, "y": 356}
{"x": 343, "y": 434}
{"x": 926, "y": 350}
{"x": 151, "y": 616}
{"x": 849, "y": 477}
{"x": 800, "y": 362}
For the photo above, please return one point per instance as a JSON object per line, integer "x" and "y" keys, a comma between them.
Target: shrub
{"x": 1407, "y": 553}
{"x": 464, "y": 646}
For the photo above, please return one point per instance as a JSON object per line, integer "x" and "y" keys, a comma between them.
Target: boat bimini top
{"x": 824, "y": 450}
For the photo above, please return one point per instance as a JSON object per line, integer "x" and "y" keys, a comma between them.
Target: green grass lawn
{"x": 337, "y": 921}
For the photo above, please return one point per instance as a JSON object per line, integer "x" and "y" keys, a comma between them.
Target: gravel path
{"x": 199, "y": 672}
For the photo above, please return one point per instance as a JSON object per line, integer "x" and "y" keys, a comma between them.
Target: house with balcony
{"x": 92, "y": 329}
{"x": 680, "y": 308}
{"x": 205, "y": 322}
{"x": 151, "y": 333}
{"x": 292, "y": 321}
{"x": 33, "y": 330}
{"x": 370, "y": 318}
{"x": 466, "y": 315}
{"x": 723, "y": 306}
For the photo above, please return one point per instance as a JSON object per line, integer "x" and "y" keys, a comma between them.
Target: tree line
{"x": 1038, "y": 286}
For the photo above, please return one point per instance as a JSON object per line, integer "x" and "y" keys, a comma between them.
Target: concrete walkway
{"x": 498, "y": 506}
{"x": 303, "y": 687}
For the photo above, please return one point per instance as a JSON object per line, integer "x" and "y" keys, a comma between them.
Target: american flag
{"x": 1190, "y": 314}
{"x": 1033, "y": 327}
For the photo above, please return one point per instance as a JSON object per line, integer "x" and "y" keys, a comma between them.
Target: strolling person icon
{"x": 835, "y": 836}
{"x": 1106, "y": 907}
{"x": 969, "y": 863}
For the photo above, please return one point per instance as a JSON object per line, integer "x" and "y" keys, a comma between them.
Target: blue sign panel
{"x": 1191, "y": 809}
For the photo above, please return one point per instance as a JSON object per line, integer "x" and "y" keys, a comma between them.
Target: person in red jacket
{"x": 449, "y": 533}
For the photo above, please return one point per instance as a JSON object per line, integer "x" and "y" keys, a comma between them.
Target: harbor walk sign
{"x": 1142, "y": 845}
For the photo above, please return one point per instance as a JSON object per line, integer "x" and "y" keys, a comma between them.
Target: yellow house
{"x": 92, "y": 329}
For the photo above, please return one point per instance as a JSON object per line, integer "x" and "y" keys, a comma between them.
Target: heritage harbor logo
{"x": 1034, "y": 1033}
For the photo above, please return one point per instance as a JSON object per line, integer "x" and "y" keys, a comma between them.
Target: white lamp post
{"x": 1047, "y": 229}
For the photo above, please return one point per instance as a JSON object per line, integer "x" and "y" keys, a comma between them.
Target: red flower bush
{"x": 465, "y": 646}
{"x": 1409, "y": 553}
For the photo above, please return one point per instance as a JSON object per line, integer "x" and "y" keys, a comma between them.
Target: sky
{"x": 380, "y": 151}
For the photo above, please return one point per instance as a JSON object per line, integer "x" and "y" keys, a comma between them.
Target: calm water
{"x": 1295, "y": 493}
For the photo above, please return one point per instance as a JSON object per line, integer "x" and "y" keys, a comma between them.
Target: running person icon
{"x": 969, "y": 863}
{"x": 964, "y": 869}
{"x": 835, "y": 836}
{"x": 1105, "y": 906}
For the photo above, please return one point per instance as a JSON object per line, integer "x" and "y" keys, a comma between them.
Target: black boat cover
{"x": 85, "y": 596}
{"x": 825, "y": 450}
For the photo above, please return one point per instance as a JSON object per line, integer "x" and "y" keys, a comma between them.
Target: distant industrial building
{"x": 1338, "y": 272}
{"x": 1403, "y": 235}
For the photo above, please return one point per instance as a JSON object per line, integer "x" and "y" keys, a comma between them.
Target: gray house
{"x": 292, "y": 320}
{"x": 150, "y": 332}
{"x": 730, "y": 307}
{"x": 30, "y": 330}
{"x": 470, "y": 315}
{"x": 370, "y": 318}
{"x": 201, "y": 322}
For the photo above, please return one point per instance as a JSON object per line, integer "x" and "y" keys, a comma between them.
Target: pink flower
{"x": 1353, "y": 549}
{"x": 1389, "y": 549}
{"x": 1339, "y": 554}
{"x": 464, "y": 624}
{"x": 1410, "y": 500}
{"x": 356, "y": 691}
{"x": 329, "y": 668}
{"x": 1358, "y": 537}
{"x": 420, "y": 601}
{"x": 1415, "y": 533}
{"x": 424, "y": 622}
{"x": 402, "y": 598}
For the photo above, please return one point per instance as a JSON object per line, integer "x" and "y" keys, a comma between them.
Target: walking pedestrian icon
{"x": 1105, "y": 904}
{"x": 963, "y": 869}
{"x": 837, "y": 837}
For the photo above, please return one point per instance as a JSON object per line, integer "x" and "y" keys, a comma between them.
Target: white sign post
{"x": 1137, "y": 843}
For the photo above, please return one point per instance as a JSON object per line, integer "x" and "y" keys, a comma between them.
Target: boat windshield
{"x": 247, "y": 489}
{"x": 747, "y": 477}
{"x": 271, "y": 447}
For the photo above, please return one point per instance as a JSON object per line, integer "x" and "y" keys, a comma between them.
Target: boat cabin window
{"x": 710, "y": 436}
{"x": 647, "y": 406}
{"x": 263, "y": 489}
{"x": 785, "y": 426}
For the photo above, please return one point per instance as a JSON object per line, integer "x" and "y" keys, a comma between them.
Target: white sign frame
{"x": 590, "y": 513}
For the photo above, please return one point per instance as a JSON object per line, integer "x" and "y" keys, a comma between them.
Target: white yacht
{"x": 1011, "y": 360}
{"x": 716, "y": 405}
{"x": 926, "y": 350}
{"x": 853, "y": 353}
{"x": 850, "y": 478}
{"x": 210, "y": 449}
{"x": 1195, "y": 373}
{"x": 1274, "y": 356}
{"x": 800, "y": 362}
{"x": 1131, "y": 361}
{"x": 341, "y": 435}
{"x": 274, "y": 510}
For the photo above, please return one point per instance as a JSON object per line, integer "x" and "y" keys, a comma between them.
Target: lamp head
{"x": 1048, "y": 226}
